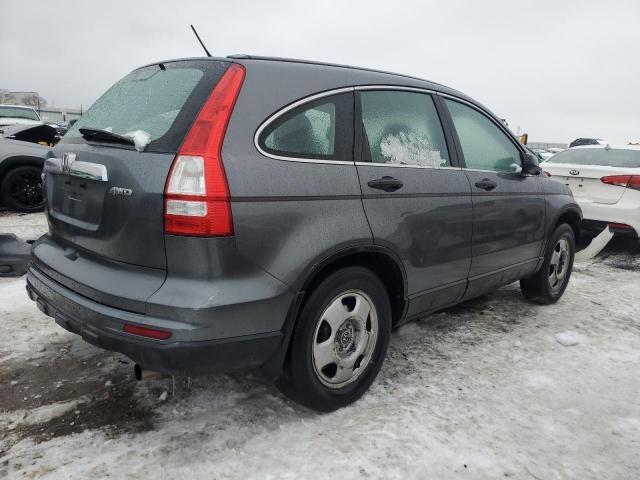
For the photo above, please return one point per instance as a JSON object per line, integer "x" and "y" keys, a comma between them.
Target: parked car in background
{"x": 23, "y": 149}
{"x": 18, "y": 115}
{"x": 543, "y": 154}
{"x": 580, "y": 142}
{"x": 605, "y": 181}
{"x": 285, "y": 215}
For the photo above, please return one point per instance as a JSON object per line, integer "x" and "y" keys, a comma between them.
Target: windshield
{"x": 606, "y": 157}
{"x": 147, "y": 101}
{"x": 17, "y": 112}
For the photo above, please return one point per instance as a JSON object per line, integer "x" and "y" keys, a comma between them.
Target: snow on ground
{"x": 494, "y": 388}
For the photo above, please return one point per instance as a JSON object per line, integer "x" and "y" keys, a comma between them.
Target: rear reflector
{"x": 146, "y": 332}
{"x": 619, "y": 226}
{"x": 196, "y": 194}
{"x": 628, "y": 181}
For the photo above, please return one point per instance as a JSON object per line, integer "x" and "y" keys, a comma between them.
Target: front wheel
{"x": 548, "y": 285}
{"x": 339, "y": 342}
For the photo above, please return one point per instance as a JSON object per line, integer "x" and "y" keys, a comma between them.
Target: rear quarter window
{"x": 319, "y": 129}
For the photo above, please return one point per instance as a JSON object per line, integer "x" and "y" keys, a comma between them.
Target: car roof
{"x": 345, "y": 73}
{"x": 400, "y": 79}
{"x": 17, "y": 106}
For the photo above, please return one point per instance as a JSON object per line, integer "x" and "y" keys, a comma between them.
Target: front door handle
{"x": 388, "y": 184}
{"x": 486, "y": 184}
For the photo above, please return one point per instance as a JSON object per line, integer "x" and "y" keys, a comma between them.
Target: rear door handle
{"x": 388, "y": 184}
{"x": 486, "y": 184}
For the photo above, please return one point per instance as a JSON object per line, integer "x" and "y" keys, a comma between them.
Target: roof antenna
{"x": 198, "y": 37}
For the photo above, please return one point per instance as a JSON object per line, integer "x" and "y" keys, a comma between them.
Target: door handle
{"x": 388, "y": 184}
{"x": 486, "y": 184}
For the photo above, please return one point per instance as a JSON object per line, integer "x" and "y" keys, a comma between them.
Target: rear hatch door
{"x": 105, "y": 195}
{"x": 582, "y": 169}
{"x": 584, "y": 181}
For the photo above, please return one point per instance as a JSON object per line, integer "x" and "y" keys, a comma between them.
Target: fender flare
{"x": 272, "y": 369}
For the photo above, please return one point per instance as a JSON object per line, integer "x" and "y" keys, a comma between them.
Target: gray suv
{"x": 246, "y": 212}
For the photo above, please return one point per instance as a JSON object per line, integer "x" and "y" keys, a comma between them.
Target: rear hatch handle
{"x": 68, "y": 165}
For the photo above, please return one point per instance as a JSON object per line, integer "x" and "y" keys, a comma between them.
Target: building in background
{"x": 59, "y": 115}
{"x": 48, "y": 114}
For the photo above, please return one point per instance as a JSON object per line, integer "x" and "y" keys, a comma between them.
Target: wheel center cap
{"x": 345, "y": 337}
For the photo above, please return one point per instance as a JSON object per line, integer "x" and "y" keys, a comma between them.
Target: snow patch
{"x": 595, "y": 247}
{"x": 539, "y": 380}
{"x": 42, "y": 414}
{"x": 140, "y": 138}
{"x": 569, "y": 338}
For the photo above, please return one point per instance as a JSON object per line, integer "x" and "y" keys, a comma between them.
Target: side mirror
{"x": 530, "y": 165}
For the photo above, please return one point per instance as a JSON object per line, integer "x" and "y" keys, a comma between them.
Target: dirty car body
{"x": 128, "y": 265}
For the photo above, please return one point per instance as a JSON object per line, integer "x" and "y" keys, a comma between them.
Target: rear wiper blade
{"x": 104, "y": 135}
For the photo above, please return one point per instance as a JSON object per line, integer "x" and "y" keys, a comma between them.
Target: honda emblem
{"x": 67, "y": 161}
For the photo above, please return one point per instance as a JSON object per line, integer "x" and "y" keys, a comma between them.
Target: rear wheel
{"x": 549, "y": 284}
{"x": 339, "y": 342}
{"x": 21, "y": 189}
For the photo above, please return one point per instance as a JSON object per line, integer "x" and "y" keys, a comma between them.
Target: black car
{"x": 23, "y": 149}
{"x": 579, "y": 142}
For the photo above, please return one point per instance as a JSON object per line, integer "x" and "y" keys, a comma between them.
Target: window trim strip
{"x": 356, "y": 88}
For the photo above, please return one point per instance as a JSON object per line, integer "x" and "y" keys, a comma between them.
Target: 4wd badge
{"x": 125, "y": 192}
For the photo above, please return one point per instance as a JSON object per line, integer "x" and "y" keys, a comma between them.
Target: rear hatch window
{"x": 157, "y": 102}
{"x": 604, "y": 157}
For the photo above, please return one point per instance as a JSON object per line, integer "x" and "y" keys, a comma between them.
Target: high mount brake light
{"x": 196, "y": 196}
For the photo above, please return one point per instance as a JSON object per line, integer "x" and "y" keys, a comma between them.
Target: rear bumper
{"x": 102, "y": 326}
{"x": 626, "y": 212}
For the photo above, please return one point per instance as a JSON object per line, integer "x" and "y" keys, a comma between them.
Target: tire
{"x": 550, "y": 282}
{"x": 21, "y": 189}
{"x": 334, "y": 357}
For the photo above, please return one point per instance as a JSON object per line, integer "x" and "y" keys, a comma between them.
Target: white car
{"x": 605, "y": 181}
{"x": 18, "y": 115}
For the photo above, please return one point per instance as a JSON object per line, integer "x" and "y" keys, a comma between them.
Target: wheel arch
{"x": 571, "y": 215}
{"x": 382, "y": 261}
{"x": 12, "y": 161}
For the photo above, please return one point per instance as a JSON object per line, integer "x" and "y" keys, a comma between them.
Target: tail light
{"x": 628, "y": 181}
{"x": 619, "y": 226}
{"x": 196, "y": 196}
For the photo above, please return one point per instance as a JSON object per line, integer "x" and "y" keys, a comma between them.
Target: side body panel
{"x": 508, "y": 229}
{"x": 288, "y": 214}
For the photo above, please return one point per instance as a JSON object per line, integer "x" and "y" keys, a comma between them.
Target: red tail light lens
{"x": 146, "y": 332}
{"x": 629, "y": 181}
{"x": 619, "y": 180}
{"x": 196, "y": 194}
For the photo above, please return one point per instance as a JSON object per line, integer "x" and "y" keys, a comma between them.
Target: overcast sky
{"x": 556, "y": 69}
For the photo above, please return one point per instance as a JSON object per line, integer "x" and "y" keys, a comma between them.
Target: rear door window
{"x": 484, "y": 145}
{"x": 321, "y": 129}
{"x": 402, "y": 128}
